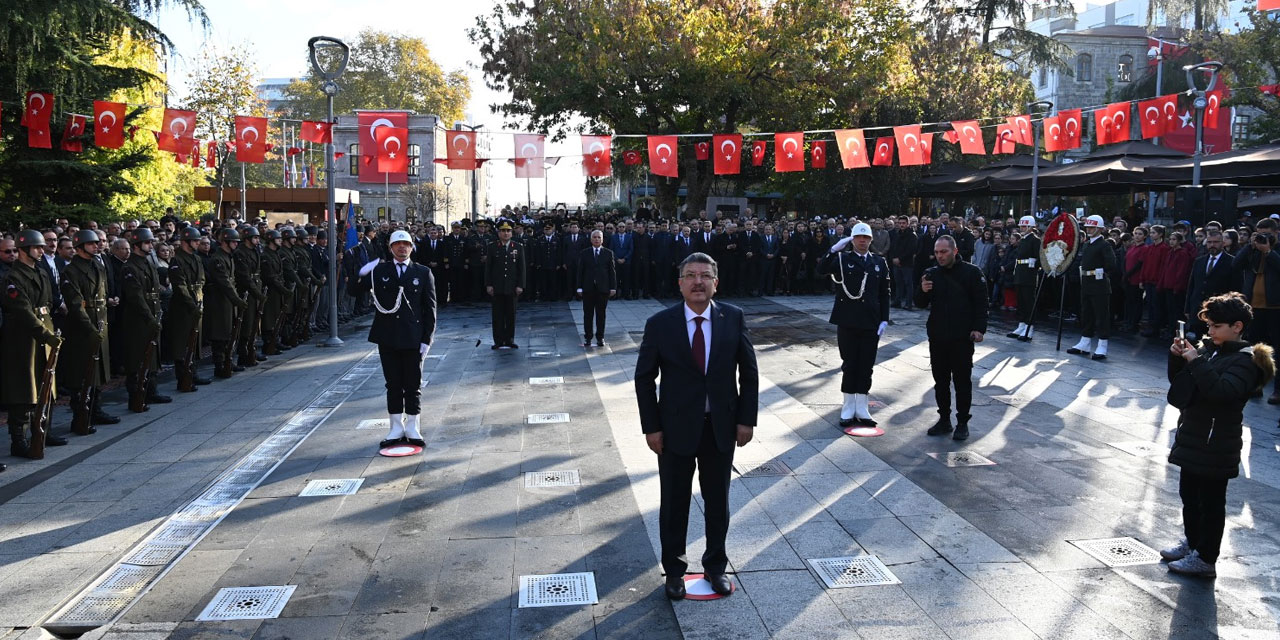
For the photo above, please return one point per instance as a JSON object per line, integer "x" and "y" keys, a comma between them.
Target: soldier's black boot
{"x": 137, "y": 393}
{"x": 153, "y": 396}
{"x": 220, "y": 360}
{"x": 184, "y": 375}
{"x": 269, "y": 346}
{"x": 98, "y": 415}
{"x": 81, "y": 422}
{"x": 17, "y": 438}
{"x": 195, "y": 377}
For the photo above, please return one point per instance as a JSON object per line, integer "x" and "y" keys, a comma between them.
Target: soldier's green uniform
{"x": 88, "y": 365}
{"x": 301, "y": 324}
{"x": 248, "y": 275}
{"x": 279, "y": 293}
{"x": 504, "y": 271}
{"x": 186, "y": 308}
{"x": 289, "y": 272}
{"x": 223, "y": 304}
{"x": 141, "y": 317}
{"x": 25, "y": 338}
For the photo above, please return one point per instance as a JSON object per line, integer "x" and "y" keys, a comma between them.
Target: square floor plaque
{"x": 335, "y": 487}
{"x": 547, "y": 380}
{"x": 1118, "y": 552}
{"x": 1140, "y": 449}
{"x": 756, "y": 469}
{"x": 557, "y": 590}
{"x": 962, "y": 459}
{"x": 248, "y": 603}
{"x": 853, "y": 571}
{"x": 547, "y": 418}
{"x": 561, "y": 478}
{"x": 376, "y": 423}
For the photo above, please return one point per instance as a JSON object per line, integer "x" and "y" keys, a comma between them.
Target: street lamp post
{"x": 1035, "y": 107}
{"x": 1155, "y": 54}
{"x": 448, "y": 180}
{"x": 1213, "y": 68}
{"x": 335, "y": 53}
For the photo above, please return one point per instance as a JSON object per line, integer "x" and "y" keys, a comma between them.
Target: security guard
{"x": 88, "y": 365}
{"x": 861, "y": 314}
{"x": 279, "y": 293}
{"x": 1025, "y": 273}
{"x": 248, "y": 272}
{"x": 186, "y": 309}
{"x": 26, "y": 337}
{"x": 223, "y": 304}
{"x": 1097, "y": 265}
{"x": 140, "y": 297}
{"x": 504, "y": 277}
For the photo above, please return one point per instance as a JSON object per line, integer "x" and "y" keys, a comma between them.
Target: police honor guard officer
{"x": 504, "y": 277}
{"x": 1024, "y": 277}
{"x": 26, "y": 336}
{"x": 404, "y": 295}
{"x": 224, "y": 304}
{"x": 186, "y": 309}
{"x": 861, "y": 314}
{"x": 140, "y": 297}
{"x": 1097, "y": 263}
{"x": 84, "y": 290}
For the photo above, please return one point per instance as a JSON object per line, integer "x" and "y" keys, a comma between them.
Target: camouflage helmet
{"x": 191, "y": 233}
{"x": 85, "y": 236}
{"x": 141, "y": 235}
{"x": 30, "y": 238}
{"x": 229, "y": 235}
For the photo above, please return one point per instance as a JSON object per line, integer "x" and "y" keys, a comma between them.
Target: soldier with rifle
{"x": 307, "y": 277}
{"x": 289, "y": 271}
{"x": 84, "y": 290}
{"x": 248, "y": 272}
{"x": 224, "y": 316}
{"x": 140, "y": 297}
{"x": 186, "y": 309}
{"x": 30, "y": 347}
{"x": 279, "y": 291}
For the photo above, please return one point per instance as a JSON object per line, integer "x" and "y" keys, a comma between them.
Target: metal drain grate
{"x": 92, "y": 611}
{"x": 563, "y": 478}
{"x": 128, "y": 577}
{"x": 557, "y": 590}
{"x": 544, "y": 354}
{"x": 337, "y": 487}
{"x": 761, "y": 469}
{"x": 377, "y": 423}
{"x": 962, "y": 459}
{"x": 180, "y": 532}
{"x": 548, "y": 418}
{"x": 155, "y": 554}
{"x": 1118, "y": 552}
{"x": 1140, "y": 449}
{"x": 855, "y": 571}
{"x": 257, "y": 462}
{"x": 201, "y": 513}
{"x": 248, "y": 603}
{"x": 547, "y": 380}
{"x": 224, "y": 494}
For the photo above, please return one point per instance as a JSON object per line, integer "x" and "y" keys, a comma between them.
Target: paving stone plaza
{"x": 533, "y": 512}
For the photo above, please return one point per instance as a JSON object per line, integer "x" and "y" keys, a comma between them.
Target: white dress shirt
{"x": 692, "y": 326}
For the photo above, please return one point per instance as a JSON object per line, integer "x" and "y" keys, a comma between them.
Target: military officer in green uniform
{"x": 289, "y": 272}
{"x": 186, "y": 309}
{"x": 1097, "y": 264}
{"x": 504, "y": 274}
{"x": 307, "y": 277}
{"x": 223, "y": 304}
{"x": 248, "y": 269}
{"x": 26, "y": 337}
{"x": 141, "y": 318}
{"x": 1025, "y": 270}
{"x": 279, "y": 289}
{"x": 88, "y": 364}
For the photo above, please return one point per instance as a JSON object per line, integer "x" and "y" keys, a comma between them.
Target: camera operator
{"x": 1259, "y": 265}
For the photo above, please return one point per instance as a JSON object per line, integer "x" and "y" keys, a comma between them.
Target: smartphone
{"x": 1182, "y": 330}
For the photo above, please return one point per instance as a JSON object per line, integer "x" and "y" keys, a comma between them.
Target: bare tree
{"x": 422, "y": 197}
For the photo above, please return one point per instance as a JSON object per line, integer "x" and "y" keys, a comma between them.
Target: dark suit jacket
{"x": 678, "y": 407}
{"x": 597, "y": 275}
{"x": 680, "y": 251}
{"x": 1205, "y": 285}
{"x": 701, "y": 244}
{"x": 414, "y": 323}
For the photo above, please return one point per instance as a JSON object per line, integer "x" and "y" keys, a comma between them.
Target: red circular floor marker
{"x": 400, "y": 450}
{"x": 863, "y": 432}
{"x": 696, "y": 587}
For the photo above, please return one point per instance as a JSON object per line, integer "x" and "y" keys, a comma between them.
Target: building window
{"x": 1240, "y": 129}
{"x": 353, "y": 159}
{"x": 382, "y": 213}
{"x": 1124, "y": 69}
{"x": 1044, "y": 77}
{"x": 410, "y": 214}
{"x": 415, "y": 155}
{"x": 1084, "y": 68}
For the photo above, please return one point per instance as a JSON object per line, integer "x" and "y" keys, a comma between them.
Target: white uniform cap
{"x": 1027, "y": 221}
{"x": 401, "y": 236}
{"x": 1094, "y": 222}
{"x": 861, "y": 229}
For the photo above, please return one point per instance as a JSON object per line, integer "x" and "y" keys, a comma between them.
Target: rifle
{"x": 44, "y": 403}
{"x": 144, "y": 372}
{"x": 193, "y": 347}
{"x": 235, "y": 336}
{"x": 82, "y": 420}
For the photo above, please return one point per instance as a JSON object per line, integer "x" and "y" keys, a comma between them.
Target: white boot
{"x": 1101, "y": 352}
{"x": 397, "y": 427}
{"x": 1081, "y": 346}
{"x": 1031, "y": 331}
{"x": 847, "y": 410}
{"x": 1022, "y": 327}
{"x": 411, "y": 427}
{"x": 862, "y": 409}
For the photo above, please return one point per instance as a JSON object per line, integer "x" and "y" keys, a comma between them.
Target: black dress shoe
{"x": 88, "y": 431}
{"x": 848, "y": 422}
{"x": 201, "y": 381}
{"x": 159, "y": 399}
{"x": 1024, "y": 338}
{"x": 586, "y": 343}
{"x": 235, "y": 367}
{"x": 104, "y": 418}
{"x": 941, "y": 427}
{"x": 1076, "y": 352}
{"x": 496, "y": 347}
{"x": 391, "y": 442}
{"x": 675, "y": 588}
{"x": 1098, "y": 356}
{"x": 51, "y": 440}
{"x": 417, "y": 442}
{"x": 720, "y": 583}
{"x": 513, "y": 345}
{"x": 599, "y": 342}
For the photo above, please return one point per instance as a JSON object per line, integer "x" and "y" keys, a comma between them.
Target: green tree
{"x": 1250, "y": 57}
{"x": 386, "y": 71}
{"x": 1204, "y": 13}
{"x": 1001, "y": 26}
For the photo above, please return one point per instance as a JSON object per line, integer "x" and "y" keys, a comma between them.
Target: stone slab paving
{"x": 434, "y": 545}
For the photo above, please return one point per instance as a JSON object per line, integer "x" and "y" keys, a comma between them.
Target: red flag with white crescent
{"x": 1021, "y": 127}
{"x": 1072, "y": 126}
{"x": 393, "y": 149}
{"x": 1121, "y": 125}
{"x": 597, "y": 156}
{"x": 39, "y": 108}
{"x": 71, "y": 140}
{"x": 251, "y": 145}
{"x": 818, "y": 154}
{"x": 663, "y": 160}
{"x": 926, "y": 148}
{"x": 317, "y": 132}
{"x": 631, "y": 157}
{"x": 1212, "y": 107}
{"x": 788, "y": 151}
{"x": 969, "y": 135}
{"x": 702, "y": 150}
{"x": 108, "y": 128}
{"x": 461, "y": 150}
{"x": 757, "y": 153}
{"x": 1158, "y": 115}
{"x": 853, "y": 148}
{"x": 884, "y": 152}
{"x": 530, "y": 155}
{"x": 728, "y": 150}
{"x": 195, "y": 154}
{"x": 178, "y": 131}
{"x": 1054, "y": 139}
{"x": 908, "y": 139}
{"x": 369, "y": 122}
{"x": 1004, "y": 140}
{"x": 1102, "y": 127}
{"x": 211, "y": 155}
{"x": 1268, "y": 5}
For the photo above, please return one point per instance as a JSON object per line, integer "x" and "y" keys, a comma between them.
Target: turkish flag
{"x": 39, "y": 108}
{"x": 969, "y": 135}
{"x": 631, "y": 158}
{"x": 1182, "y": 135}
{"x": 597, "y": 156}
{"x": 853, "y": 148}
{"x": 195, "y": 155}
{"x": 728, "y": 148}
{"x": 461, "y": 150}
{"x": 392, "y": 145}
{"x": 1072, "y": 125}
{"x": 757, "y": 153}
{"x": 1121, "y": 125}
{"x": 788, "y": 152}
{"x": 108, "y": 130}
{"x": 1268, "y": 5}
{"x": 369, "y": 122}
{"x": 1213, "y": 104}
{"x": 908, "y": 138}
{"x": 530, "y": 155}
{"x": 1053, "y": 136}
{"x": 926, "y": 148}
{"x": 71, "y": 140}
{"x": 1157, "y": 115}
{"x": 818, "y": 154}
{"x": 1021, "y": 126}
{"x": 211, "y": 155}
{"x": 250, "y": 143}
{"x": 1273, "y": 89}
{"x": 178, "y": 131}
{"x": 884, "y": 152}
{"x": 663, "y": 160}
{"x": 1102, "y": 125}
{"x": 1004, "y": 139}
{"x": 292, "y": 151}
{"x": 702, "y": 150}
{"x": 317, "y": 132}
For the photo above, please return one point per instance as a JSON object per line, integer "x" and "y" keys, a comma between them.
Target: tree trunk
{"x": 700, "y": 175}
{"x": 665, "y": 189}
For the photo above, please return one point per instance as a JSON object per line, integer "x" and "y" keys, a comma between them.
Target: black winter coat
{"x": 958, "y": 302}
{"x": 1210, "y": 392}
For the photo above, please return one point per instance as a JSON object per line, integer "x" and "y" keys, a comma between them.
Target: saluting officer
{"x": 1025, "y": 271}
{"x": 223, "y": 304}
{"x": 1097, "y": 264}
{"x": 248, "y": 266}
{"x": 84, "y": 291}
{"x": 404, "y": 296}
{"x": 140, "y": 297}
{"x": 861, "y": 314}
{"x": 186, "y": 309}
{"x": 26, "y": 336}
{"x": 504, "y": 277}
{"x": 279, "y": 294}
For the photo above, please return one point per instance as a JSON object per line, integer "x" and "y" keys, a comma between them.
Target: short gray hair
{"x": 699, "y": 257}
{"x": 950, "y": 241}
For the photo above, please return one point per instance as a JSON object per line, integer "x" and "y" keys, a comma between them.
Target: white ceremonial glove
{"x": 423, "y": 349}
{"x": 883, "y": 326}
{"x": 368, "y": 268}
{"x": 844, "y": 242}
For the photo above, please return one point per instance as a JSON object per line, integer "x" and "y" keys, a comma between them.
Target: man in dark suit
{"x": 623, "y": 244}
{"x": 707, "y": 404}
{"x": 597, "y": 282}
{"x": 681, "y": 247}
{"x": 663, "y": 268}
{"x": 404, "y": 296}
{"x": 573, "y": 244}
{"x": 641, "y": 260}
{"x": 770, "y": 250}
{"x": 1212, "y": 274}
{"x": 703, "y": 238}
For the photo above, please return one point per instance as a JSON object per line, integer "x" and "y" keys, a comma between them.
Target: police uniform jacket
{"x": 958, "y": 301}
{"x": 1024, "y": 272}
{"x": 140, "y": 297}
{"x": 414, "y": 322}
{"x": 84, "y": 291}
{"x": 221, "y": 299}
{"x": 28, "y": 327}
{"x": 546, "y": 253}
{"x": 455, "y": 252}
{"x": 1097, "y": 253}
{"x": 186, "y": 277}
{"x": 869, "y": 304}
{"x": 504, "y": 268}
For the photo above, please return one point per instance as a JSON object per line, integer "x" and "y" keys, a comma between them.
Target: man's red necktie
{"x": 699, "y": 345}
